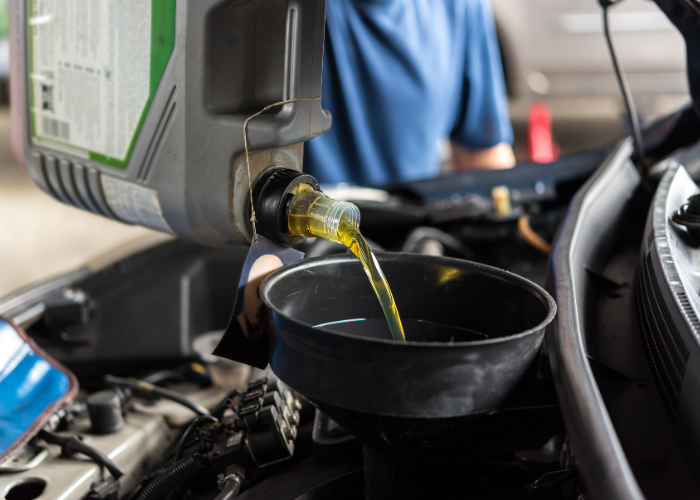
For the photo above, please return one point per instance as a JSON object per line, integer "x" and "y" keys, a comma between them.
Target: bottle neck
{"x": 312, "y": 214}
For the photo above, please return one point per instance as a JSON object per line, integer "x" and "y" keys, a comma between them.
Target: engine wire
{"x": 180, "y": 448}
{"x": 531, "y": 237}
{"x": 224, "y": 403}
{"x": 150, "y": 390}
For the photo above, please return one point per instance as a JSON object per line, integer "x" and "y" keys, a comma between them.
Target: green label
{"x": 4, "y": 20}
{"x": 93, "y": 71}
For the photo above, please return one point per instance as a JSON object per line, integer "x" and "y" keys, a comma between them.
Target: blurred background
{"x": 558, "y": 74}
{"x": 554, "y": 52}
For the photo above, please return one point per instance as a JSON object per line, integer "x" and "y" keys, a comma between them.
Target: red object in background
{"x": 542, "y": 147}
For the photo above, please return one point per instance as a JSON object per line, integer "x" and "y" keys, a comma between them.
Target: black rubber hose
{"x": 71, "y": 444}
{"x": 139, "y": 386}
{"x": 165, "y": 375}
{"x": 188, "y": 432}
{"x": 170, "y": 459}
{"x": 139, "y": 487}
{"x": 430, "y": 233}
{"x": 232, "y": 485}
{"x": 171, "y": 478}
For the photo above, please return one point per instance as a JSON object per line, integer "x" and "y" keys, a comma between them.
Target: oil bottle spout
{"x": 292, "y": 207}
{"x": 289, "y": 207}
{"x": 272, "y": 196}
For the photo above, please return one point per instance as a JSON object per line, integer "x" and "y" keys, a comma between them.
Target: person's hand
{"x": 255, "y": 313}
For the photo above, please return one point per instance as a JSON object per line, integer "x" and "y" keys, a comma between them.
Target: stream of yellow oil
{"x": 348, "y": 234}
{"x": 357, "y": 245}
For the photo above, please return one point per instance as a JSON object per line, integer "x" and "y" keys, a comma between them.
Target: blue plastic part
{"x": 30, "y": 387}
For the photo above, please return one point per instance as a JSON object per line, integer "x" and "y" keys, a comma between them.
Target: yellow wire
{"x": 247, "y": 161}
{"x": 531, "y": 237}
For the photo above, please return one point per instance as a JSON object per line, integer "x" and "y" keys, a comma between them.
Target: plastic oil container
{"x": 134, "y": 109}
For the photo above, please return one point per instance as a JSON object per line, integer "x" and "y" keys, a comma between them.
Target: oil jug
{"x": 134, "y": 109}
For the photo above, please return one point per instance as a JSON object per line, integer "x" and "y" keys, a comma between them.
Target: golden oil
{"x": 313, "y": 214}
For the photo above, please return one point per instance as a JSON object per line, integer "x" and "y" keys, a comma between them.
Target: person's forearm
{"x": 497, "y": 157}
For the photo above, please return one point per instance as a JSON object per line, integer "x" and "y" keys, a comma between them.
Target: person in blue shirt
{"x": 400, "y": 77}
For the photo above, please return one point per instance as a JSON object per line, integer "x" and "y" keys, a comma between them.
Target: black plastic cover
{"x": 271, "y": 198}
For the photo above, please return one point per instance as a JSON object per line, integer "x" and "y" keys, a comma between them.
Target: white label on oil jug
{"x": 134, "y": 203}
{"x": 89, "y": 72}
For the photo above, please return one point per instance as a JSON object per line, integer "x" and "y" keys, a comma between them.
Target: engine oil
{"x": 313, "y": 214}
{"x": 415, "y": 330}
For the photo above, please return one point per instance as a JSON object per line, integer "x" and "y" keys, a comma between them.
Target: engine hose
{"x": 169, "y": 459}
{"x": 150, "y": 390}
{"x": 232, "y": 485}
{"x": 420, "y": 234}
{"x": 531, "y": 237}
{"x": 72, "y": 444}
{"x": 171, "y": 478}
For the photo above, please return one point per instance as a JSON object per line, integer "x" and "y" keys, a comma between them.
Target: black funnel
{"x": 472, "y": 332}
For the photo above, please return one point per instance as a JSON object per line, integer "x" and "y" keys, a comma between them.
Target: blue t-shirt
{"x": 399, "y": 77}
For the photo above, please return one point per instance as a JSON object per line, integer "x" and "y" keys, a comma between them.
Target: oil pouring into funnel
{"x": 311, "y": 213}
{"x": 290, "y": 207}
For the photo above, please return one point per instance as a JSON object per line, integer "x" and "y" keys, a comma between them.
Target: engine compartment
{"x": 137, "y": 319}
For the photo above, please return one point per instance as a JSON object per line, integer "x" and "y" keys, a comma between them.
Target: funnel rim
{"x": 513, "y": 278}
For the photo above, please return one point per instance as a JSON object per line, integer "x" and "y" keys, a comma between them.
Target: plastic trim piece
{"x": 17, "y": 303}
{"x": 601, "y": 460}
{"x": 44, "y": 384}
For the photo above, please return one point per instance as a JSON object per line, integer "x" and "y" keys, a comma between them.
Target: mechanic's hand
{"x": 255, "y": 313}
